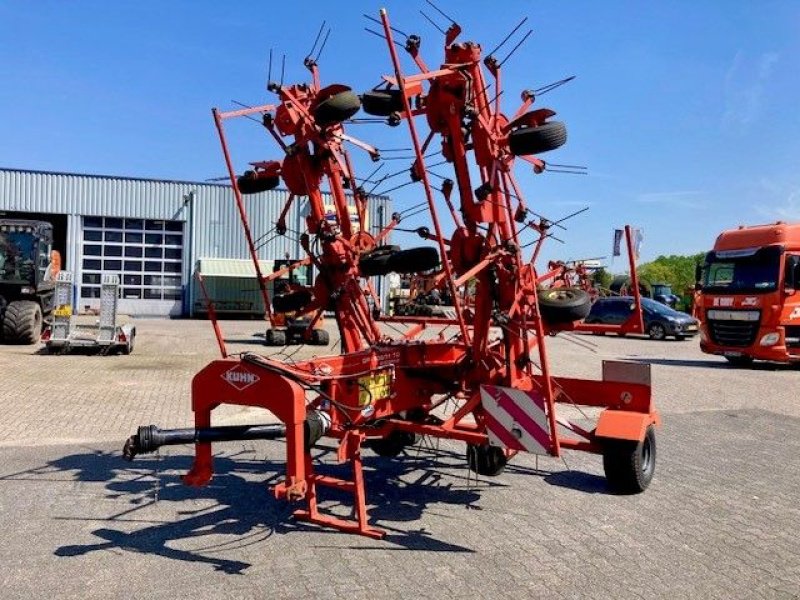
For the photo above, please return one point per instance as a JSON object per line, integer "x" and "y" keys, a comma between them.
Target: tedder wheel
{"x": 375, "y": 263}
{"x": 276, "y": 337}
{"x": 564, "y": 305}
{"x": 629, "y": 466}
{"x": 320, "y": 337}
{"x": 22, "y": 323}
{"x": 656, "y": 331}
{"x": 382, "y": 103}
{"x": 740, "y": 361}
{"x": 486, "y": 460}
{"x": 252, "y": 183}
{"x": 337, "y": 108}
{"x": 291, "y": 301}
{"x": 535, "y": 140}
{"x": 414, "y": 260}
{"x": 393, "y": 444}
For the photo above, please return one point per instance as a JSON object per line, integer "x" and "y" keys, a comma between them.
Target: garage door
{"x": 146, "y": 254}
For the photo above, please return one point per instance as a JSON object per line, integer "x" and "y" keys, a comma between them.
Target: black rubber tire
{"x": 337, "y": 108}
{"x": 564, "y": 305}
{"x": 250, "y": 184}
{"x": 275, "y": 337}
{"x": 22, "y": 323}
{"x": 740, "y": 361}
{"x": 486, "y": 460}
{"x": 536, "y": 140}
{"x": 630, "y": 466}
{"x": 127, "y": 349}
{"x": 375, "y": 263}
{"x": 320, "y": 337}
{"x": 393, "y": 444}
{"x": 414, "y": 260}
{"x": 382, "y": 103}
{"x": 657, "y": 331}
{"x": 291, "y": 301}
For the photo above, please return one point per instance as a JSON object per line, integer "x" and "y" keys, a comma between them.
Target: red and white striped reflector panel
{"x": 515, "y": 419}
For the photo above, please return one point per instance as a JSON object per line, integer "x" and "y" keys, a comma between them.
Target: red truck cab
{"x": 748, "y": 294}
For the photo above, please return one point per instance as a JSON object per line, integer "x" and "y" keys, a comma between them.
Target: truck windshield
{"x": 17, "y": 256}
{"x": 755, "y": 272}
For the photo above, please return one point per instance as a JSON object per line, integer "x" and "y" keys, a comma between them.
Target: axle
{"x": 150, "y": 438}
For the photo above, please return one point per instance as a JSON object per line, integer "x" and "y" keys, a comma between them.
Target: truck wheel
{"x": 375, "y": 263}
{"x": 486, "y": 460}
{"x": 382, "y": 103}
{"x": 275, "y": 337}
{"x": 414, "y": 260}
{"x": 320, "y": 337}
{"x": 337, "y": 108}
{"x": 23, "y": 322}
{"x": 536, "y": 140}
{"x": 740, "y": 361}
{"x": 564, "y": 305}
{"x": 656, "y": 331}
{"x": 629, "y": 466}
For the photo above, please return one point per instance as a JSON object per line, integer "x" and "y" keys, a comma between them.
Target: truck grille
{"x": 733, "y": 333}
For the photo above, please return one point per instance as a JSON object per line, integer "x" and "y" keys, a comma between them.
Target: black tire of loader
{"x": 22, "y": 322}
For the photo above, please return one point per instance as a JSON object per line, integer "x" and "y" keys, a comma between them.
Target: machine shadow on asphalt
{"x": 244, "y": 507}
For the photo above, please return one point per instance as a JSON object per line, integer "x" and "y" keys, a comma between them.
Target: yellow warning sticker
{"x": 374, "y": 387}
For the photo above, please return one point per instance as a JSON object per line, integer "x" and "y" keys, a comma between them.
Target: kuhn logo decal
{"x": 795, "y": 314}
{"x": 750, "y": 301}
{"x": 240, "y": 378}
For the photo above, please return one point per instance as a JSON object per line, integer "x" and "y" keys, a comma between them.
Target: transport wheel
{"x": 486, "y": 460}
{"x": 376, "y": 262}
{"x": 536, "y": 140}
{"x": 253, "y": 183}
{"x": 393, "y": 444}
{"x": 382, "y": 103}
{"x": 22, "y": 323}
{"x": 629, "y": 466}
{"x": 414, "y": 260}
{"x": 320, "y": 337}
{"x": 564, "y": 305}
{"x": 127, "y": 349}
{"x": 337, "y": 108}
{"x": 740, "y": 361}
{"x": 291, "y": 301}
{"x": 656, "y": 331}
{"x": 276, "y": 337}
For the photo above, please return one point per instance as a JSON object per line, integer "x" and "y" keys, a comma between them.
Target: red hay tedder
{"x": 384, "y": 392}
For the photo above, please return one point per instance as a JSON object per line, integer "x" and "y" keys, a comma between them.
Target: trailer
{"x": 107, "y": 333}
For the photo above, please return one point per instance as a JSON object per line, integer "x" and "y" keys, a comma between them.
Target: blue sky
{"x": 686, "y": 113}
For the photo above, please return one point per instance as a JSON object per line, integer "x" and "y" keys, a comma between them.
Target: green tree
{"x": 602, "y": 278}
{"x": 676, "y": 270}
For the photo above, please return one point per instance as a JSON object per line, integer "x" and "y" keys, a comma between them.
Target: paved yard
{"x": 719, "y": 521}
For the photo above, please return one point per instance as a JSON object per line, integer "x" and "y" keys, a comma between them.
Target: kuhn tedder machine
{"x": 383, "y": 392}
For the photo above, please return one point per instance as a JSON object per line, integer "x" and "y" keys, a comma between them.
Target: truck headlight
{"x": 770, "y": 339}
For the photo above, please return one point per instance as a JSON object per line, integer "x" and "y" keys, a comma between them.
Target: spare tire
{"x": 536, "y": 140}
{"x": 255, "y": 183}
{"x": 414, "y": 260}
{"x": 337, "y": 108}
{"x": 291, "y": 301}
{"x": 382, "y": 103}
{"x": 564, "y": 305}
{"x": 375, "y": 263}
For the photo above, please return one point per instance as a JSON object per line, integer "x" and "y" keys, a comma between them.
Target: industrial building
{"x": 155, "y": 234}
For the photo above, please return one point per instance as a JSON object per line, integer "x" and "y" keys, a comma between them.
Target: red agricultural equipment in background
{"x": 384, "y": 392}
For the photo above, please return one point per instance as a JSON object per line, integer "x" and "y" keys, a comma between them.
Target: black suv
{"x": 660, "y": 320}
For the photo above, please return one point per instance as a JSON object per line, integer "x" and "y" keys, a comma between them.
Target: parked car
{"x": 660, "y": 320}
